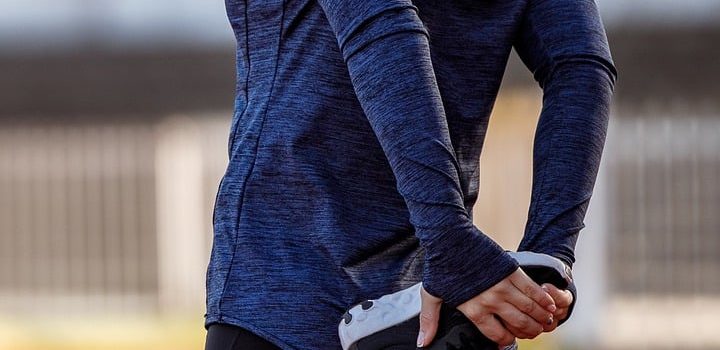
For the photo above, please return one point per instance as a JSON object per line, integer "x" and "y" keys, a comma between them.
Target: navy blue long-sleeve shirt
{"x": 354, "y": 151}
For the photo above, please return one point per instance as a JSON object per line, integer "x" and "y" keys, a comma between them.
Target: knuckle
{"x": 523, "y": 323}
{"x": 529, "y": 290}
{"x": 482, "y": 299}
{"x": 475, "y": 317}
{"x": 528, "y": 307}
{"x": 489, "y": 301}
{"x": 502, "y": 291}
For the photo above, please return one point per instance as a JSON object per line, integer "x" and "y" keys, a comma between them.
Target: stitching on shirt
{"x": 236, "y": 118}
{"x": 247, "y": 79}
{"x": 252, "y": 165}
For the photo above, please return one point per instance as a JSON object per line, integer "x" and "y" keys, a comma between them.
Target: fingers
{"x": 492, "y": 328}
{"x": 429, "y": 317}
{"x": 528, "y": 306}
{"x": 559, "y": 315}
{"x": 563, "y": 298}
{"x": 523, "y": 282}
{"x": 519, "y": 323}
{"x": 514, "y": 307}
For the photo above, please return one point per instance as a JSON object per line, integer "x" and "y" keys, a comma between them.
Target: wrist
{"x": 544, "y": 268}
{"x": 463, "y": 263}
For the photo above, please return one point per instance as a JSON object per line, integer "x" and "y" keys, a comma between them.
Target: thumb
{"x": 429, "y": 317}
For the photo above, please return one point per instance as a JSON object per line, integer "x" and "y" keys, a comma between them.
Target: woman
{"x": 354, "y": 153}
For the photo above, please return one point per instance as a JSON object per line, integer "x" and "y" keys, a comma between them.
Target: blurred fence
{"x": 665, "y": 206}
{"x": 94, "y": 217}
{"x": 662, "y": 192}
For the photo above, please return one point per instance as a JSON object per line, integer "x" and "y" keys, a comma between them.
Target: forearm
{"x": 569, "y": 142}
{"x": 563, "y": 42}
{"x": 403, "y": 105}
{"x": 389, "y": 64}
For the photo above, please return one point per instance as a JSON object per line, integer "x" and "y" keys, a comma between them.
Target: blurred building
{"x": 114, "y": 117}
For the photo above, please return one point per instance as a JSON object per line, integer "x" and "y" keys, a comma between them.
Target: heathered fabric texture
{"x": 355, "y": 144}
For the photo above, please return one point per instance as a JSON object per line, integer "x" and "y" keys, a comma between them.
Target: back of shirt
{"x": 354, "y": 151}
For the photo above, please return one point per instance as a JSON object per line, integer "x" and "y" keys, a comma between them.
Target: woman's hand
{"x": 563, "y": 299}
{"x": 522, "y": 307}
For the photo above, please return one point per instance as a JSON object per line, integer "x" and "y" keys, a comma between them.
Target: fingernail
{"x": 421, "y": 339}
{"x": 549, "y": 321}
{"x": 552, "y": 308}
{"x": 545, "y": 288}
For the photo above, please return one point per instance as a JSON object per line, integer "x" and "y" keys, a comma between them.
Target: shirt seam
{"x": 254, "y": 160}
{"x": 236, "y": 118}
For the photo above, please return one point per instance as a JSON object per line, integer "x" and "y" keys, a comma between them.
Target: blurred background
{"x": 114, "y": 118}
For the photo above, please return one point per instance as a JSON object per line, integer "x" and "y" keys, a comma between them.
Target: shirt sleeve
{"x": 564, "y": 44}
{"x": 385, "y": 46}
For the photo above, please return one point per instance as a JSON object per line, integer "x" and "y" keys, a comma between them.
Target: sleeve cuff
{"x": 461, "y": 264}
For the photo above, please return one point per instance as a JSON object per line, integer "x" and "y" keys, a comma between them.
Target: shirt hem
{"x": 210, "y": 319}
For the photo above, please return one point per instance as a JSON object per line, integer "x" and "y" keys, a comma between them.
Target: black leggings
{"x": 222, "y": 336}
